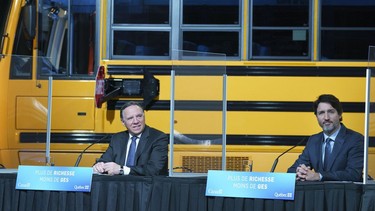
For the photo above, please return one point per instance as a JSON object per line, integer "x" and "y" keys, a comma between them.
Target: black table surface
{"x": 180, "y": 194}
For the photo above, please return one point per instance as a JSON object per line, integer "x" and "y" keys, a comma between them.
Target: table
{"x": 188, "y": 194}
{"x": 179, "y": 194}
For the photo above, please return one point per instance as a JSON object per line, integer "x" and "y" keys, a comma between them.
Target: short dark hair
{"x": 130, "y": 103}
{"x": 331, "y": 99}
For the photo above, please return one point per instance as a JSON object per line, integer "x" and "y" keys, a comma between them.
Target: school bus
{"x": 93, "y": 55}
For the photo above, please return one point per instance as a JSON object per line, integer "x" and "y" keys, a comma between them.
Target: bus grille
{"x": 201, "y": 164}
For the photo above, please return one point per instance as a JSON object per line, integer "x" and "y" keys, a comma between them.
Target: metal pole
{"x": 171, "y": 124}
{"x": 367, "y": 116}
{"x": 224, "y": 125}
{"x": 48, "y": 139}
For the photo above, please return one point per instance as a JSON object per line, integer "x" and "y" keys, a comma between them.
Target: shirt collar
{"x": 138, "y": 136}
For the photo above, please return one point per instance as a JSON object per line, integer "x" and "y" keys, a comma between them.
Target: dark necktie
{"x": 131, "y": 154}
{"x": 327, "y": 153}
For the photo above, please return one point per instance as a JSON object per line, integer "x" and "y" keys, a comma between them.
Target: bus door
{"x": 5, "y": 10}
{"x": 51, "y": 39}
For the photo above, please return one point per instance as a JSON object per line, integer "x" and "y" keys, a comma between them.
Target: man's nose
{"x": 135, "y": 120}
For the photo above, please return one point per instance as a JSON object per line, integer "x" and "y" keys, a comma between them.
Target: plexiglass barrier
{"x": 370, "y": 114}
{"x": 29, "y": 102}
{"x": 198, "y": 108}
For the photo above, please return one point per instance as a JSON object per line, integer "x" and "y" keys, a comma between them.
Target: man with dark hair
{"x": 140, "y": 150}
{"x": 336, "y": 153}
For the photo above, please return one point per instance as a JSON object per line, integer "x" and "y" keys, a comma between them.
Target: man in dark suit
{"x": 140, "y": 150}
{"x": 336, "y": 153}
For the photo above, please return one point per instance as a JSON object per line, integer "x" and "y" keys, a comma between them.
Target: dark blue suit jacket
{"x": 346, "y": 163}
{"x": 151, "y": 157}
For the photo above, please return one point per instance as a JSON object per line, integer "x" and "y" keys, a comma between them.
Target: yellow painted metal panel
{"x": 69, "y": 88}
{"x": 73, "y": 113}
{"x": 203, "y": 122}
{"x": 243, "y": 122}
{"x": 198, "y": 87}
{"x": 269, "y": 88}
{"x": 295, "y": 88}
{"x": 284, "y": 123}
{"x": 67, "y": 113}
{"x": 31, "y": 113}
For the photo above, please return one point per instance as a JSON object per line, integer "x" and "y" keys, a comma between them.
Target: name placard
{"x": 54, "y": 178}
{"x": 251, "y": 184}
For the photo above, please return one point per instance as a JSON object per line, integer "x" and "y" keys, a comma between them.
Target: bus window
{"x": 21, "y": 65}
{"x": 347, "y": 29}
{"x": 4, "y": 8}
{"x": 141, "y": 43}
{"x": 205, "y": 42}
{"x": 141, "y": 29}
{"x": 211, "y": 12}
{"x": 141, "y": 12}
{"x": 281, "y": 29}
{"x": 66, "y": 38}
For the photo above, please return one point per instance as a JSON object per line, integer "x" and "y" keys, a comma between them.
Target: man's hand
{"x": 304, "y": 173}
{"x": 111, "y": 168}
{"x": 98, "y": 167}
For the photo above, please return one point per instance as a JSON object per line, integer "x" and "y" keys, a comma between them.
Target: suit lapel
{"x": 318, "y": 149}
{"x": 124, "y": 145}
{"x": 339, "y": 142}
{"x": 142, "y": 143}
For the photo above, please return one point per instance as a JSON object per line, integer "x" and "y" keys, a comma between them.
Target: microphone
{"x": 277, "y": 159}
{"x": 81, "y": 154}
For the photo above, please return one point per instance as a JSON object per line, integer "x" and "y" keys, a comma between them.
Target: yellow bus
{"x": 280, "y": 55}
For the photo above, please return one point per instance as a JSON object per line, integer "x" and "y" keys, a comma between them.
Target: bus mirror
{"x": 99, "y": 88}
{"x": 29, "y": 20}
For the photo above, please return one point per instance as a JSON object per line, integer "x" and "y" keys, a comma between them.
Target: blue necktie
{"x": 327, "y": 153}
{"x": 131, "y": 154}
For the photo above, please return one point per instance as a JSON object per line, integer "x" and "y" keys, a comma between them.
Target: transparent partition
{"x": 21, "y": 66}
{"x": 370, "y": 115}
{"x": 29, "y": 101}
{"x": 198, "y": 113}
